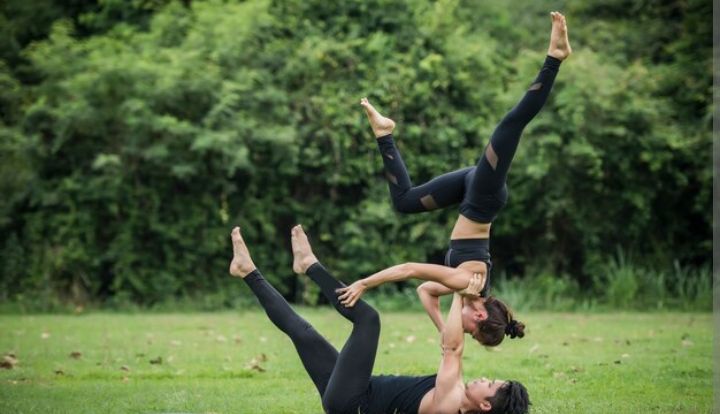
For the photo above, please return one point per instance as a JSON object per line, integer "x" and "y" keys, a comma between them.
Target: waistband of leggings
{"x": 462, "y": 244}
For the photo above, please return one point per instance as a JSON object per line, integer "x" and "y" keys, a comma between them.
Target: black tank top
{"x": 465, "y": 250}
{"x": 390, "y": 394}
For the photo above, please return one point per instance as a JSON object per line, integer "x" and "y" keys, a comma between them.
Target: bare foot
{"x": 380, "y": 125}
{"x": 303, "y": 256}
{"x": 242, "y": 263}
{"x": 559, "y": 44}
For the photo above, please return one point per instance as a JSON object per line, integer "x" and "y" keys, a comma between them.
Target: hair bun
{"x": 515, "y": 329}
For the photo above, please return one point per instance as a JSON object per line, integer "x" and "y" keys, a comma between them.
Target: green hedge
{"x": 132, "y": 142}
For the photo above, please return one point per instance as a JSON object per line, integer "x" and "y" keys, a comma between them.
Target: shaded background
{"x": 135, "y": 134}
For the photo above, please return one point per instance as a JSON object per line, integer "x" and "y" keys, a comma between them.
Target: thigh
{"x": 316, "y": 353}
{"x": 485, "y": 179}
{"x": 350, "y": 379}
{"x": 442, "y": 191}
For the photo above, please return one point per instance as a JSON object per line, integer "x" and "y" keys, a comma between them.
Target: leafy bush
{"x": 133, "y": 137}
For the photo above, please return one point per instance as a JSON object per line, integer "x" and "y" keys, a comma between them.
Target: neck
{"x": 466, "y": 405}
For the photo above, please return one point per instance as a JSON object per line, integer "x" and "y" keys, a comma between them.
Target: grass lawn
{"x": 202, "y": 363}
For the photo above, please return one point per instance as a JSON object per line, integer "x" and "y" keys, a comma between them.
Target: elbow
{"x": 452, "y": 343}
{"x": 452, "y": 347}
{"x": 424, "y": 295}
{"x": 425, "y": 289}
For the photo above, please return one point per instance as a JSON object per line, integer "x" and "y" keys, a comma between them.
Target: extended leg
{"x": 305, "y": 262}
{"x": 351, "y": 376}
{"x": 317, "y": 355}
{"x": 493, "y": 167}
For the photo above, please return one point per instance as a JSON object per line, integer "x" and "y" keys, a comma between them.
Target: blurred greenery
{"x": 134, "y": 135}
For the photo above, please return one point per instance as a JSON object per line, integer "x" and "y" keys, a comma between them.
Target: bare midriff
{"x": 469, "y": 229}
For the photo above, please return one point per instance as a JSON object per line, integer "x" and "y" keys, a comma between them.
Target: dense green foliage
{"x": 134, "y": 135}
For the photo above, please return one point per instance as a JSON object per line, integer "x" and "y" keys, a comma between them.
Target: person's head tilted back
{"x": 497, "y": 397}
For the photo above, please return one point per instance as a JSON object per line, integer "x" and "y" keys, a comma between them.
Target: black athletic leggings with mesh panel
{"x": 481, "y": 191}
{"x": 342, "y": 379}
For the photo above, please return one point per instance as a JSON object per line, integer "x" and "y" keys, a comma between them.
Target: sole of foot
{"x": 559, "y": 43}
{"x": 241, "y": 264}
{"x": 303, "y": 256}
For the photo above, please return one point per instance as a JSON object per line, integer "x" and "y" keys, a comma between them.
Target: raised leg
{"x": 305, "y": 262}
{"x": 440, "y": 192}
{"x": 317, "y": 354}
{"x": 351, "y": 376}
{"x": 492, "y": 168}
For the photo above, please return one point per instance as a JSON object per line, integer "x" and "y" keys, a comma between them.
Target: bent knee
{"x": 369, "y": 316}
{"x": 402, "y": 206}
{"x": 410, "y": 205}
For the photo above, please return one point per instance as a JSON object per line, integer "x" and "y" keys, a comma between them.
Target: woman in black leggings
{"x": 481, "y": 192}
{"x": 344, "y": 380}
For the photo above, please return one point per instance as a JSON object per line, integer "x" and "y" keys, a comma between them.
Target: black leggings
{"x": 481, "y": 190}
{"x": 341, "y": 379}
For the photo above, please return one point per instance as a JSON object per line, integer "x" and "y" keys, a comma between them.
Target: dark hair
{"x": 499, "y": 322}
{"x": 511, "y": 398}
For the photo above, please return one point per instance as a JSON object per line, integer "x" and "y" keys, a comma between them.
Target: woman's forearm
{"x": 447, "y": 277}
{"x": 452, "y": 278}
{"x": 452, "y": 333}
{"x": 391, "y": 274}
{"x": 351, "y": 294}
{"x": 431, "y": 303}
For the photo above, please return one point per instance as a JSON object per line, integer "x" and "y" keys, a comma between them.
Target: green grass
{"x": 571, "y": 363}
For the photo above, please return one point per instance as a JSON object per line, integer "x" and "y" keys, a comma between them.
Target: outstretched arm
{"x": 449, "y": 386}
{"x": 452, "y": 278}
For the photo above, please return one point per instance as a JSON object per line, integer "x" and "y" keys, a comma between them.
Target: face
{"x": 473, "y": 311}
{"x": 479, "y": 390}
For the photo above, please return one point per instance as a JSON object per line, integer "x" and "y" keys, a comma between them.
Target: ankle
{"x": 307, "y": 262}
{"x": 553, "y": 61}
{"x": 246, "y": 270}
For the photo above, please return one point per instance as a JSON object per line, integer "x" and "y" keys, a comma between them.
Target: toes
{"x": 297, "y": 231}
{"x": 235, "y": 234}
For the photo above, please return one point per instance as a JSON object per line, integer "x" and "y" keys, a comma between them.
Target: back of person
{"x": 397, "y": 394}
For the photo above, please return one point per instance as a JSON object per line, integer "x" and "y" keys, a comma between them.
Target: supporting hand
{"x": 348, "y": 296}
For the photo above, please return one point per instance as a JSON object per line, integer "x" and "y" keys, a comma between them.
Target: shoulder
{"x": 442, "y": 403}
